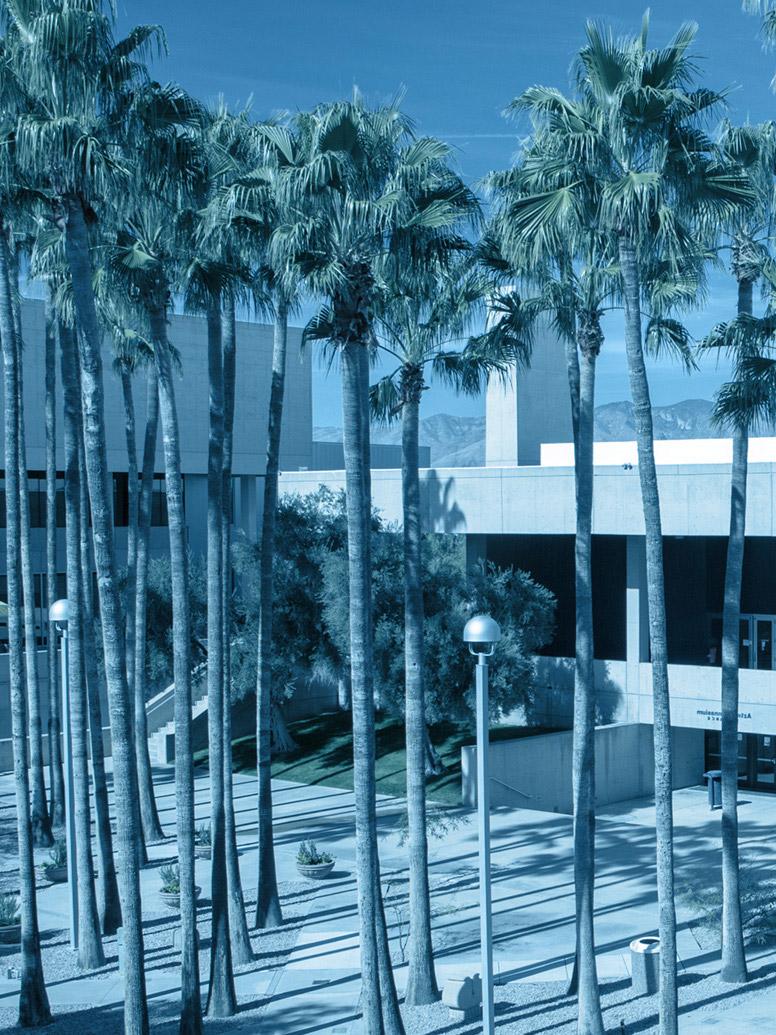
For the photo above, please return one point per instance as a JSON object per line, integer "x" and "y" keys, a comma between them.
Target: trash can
{"x": 713, "y": 780}
{"x": 645, "y": 965}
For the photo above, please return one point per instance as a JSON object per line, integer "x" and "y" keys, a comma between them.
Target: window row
{"x": 37, "y": 496}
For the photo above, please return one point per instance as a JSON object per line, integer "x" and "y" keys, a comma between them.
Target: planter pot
{"x": 56, "y": 874}
{"x": 172, "y": 899}
{"x": 203, "y": 851}
{"x": 11, "y": 934}
{"x": 316, "y": 872}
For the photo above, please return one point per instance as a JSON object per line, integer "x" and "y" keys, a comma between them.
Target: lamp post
{"x": 482, "y": 633}
{"x": 59, "y": 614}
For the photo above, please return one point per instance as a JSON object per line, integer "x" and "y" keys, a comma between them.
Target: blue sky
{"x": 460, "y": 63}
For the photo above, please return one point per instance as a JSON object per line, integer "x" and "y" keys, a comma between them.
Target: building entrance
{"x": 757, "y": 636}
{"x": 756, "y": 759}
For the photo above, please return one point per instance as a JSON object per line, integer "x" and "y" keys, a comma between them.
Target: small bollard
{"x": 645, "y": 965}
{"x": 463, "y": 997}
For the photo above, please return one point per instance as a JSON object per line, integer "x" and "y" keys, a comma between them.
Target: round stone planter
{"x": 56, "y": 874}
{"x": 11, "y": 934}
{"x": 172, "y": 899}
{"x": 317, "y": 872}
{"x": 203, "y": 851}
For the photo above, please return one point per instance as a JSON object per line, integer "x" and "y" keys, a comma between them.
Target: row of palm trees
{"x": 122, "y": 195}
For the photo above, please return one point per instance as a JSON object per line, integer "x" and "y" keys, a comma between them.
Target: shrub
{"x": 9, "y": 910}
{"x": 758, "y": 906}
{"x": 58, "y": 854}
{"x": 309, "y": 855}
{"x": 171, "y": 879}
{"x": 202, "y": 834}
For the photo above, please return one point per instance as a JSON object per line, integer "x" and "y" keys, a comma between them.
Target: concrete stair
{"x": 160, "y": 713}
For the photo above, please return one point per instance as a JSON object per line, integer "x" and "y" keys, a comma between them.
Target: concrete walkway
{"x": 312, "y": 983}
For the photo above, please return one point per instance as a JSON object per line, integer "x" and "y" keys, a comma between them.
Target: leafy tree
{"x": 451, "y": 596}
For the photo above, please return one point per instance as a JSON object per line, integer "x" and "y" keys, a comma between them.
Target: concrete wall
{"x": 535, "y": 772}
{"x": 530, "y": 407}
{"x": 694, "y": 500}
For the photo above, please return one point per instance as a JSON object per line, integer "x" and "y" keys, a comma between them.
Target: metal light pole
{"x": 59, "y": 613}
{"x": 481, "y": 633}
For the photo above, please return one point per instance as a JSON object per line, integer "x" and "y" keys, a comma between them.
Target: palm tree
{"x": 107, "y": 882}
{"x": 359, "y": 187}
{"x": 570, "y": 263}
{"x": 221, "y": 996}
{"x": 248, "y": 206}
{"x": 635, "y": 130}
{"x": 90, "y": 954}
{"x": 242, "y": 951}
{"x": 57, "y": 780}
{"x": 77, "y": 76}
{"x": 41, "y": 824}
{"x": 424, "y": 310}
{"x": 33, "y": 1000}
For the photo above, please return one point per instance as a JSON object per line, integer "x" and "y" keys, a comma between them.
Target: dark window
{"x": 159, "y": 502}
{"x": 120, "y": 500}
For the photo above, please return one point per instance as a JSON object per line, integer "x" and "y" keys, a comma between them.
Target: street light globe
{"x": 481, "y": 633}
{"x": 59, "y": 612}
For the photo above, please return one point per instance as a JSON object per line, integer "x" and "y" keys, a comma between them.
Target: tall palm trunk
{"x": 421, "y": 979}
{"x": 56, "y": 771}
{"x": 589, "y": 1021}
{"x": 90, "y": 953}
{"x": 389, "y": 1001}
{"x": 191, "y": 1007}
{"x": 129, "y": 616}
{"x": 130, "y": 435}
{"x": 221, "y": 996}
{"x": 238, "y": 922}
{"x": 41, "y": 824}
{"x": 107, "y": 882}
{"x": 149, "y": 814}
{"x": 358, "y": 500}
{"x": 650, "y": 499}
{"x": 125, "y": 780}
{"x": 733, "y": 955}
{"x": 33, "y": 1000}
{"x": 268, "y": 913}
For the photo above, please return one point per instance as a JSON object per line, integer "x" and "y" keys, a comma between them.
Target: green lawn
{"x": 325, "y": 754}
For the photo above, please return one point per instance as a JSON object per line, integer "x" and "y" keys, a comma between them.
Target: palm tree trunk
{"x": 650, "y": 499}
{"x": 90, "y": 953}
{"x": 734, "y": 967}
{"x": 221, "y": 996}
{"x": 191, "y": 1007}
{"x": 268, "y": 912}
{"x": 589, "y": 1021}
{"x": 131, "y": 439}
{"x": 33, "y": 1000}
{"x": 421, "y": 979}
{"x": 107, "y": 882}
{"x": 358, "y": 501}
{"x": 242, "y": 951}
{"x": 129, "y": 616}
{"x": 125, "y": 780}
{"x": 149, "y": 814}
{"x": 41, "y": 824}
{"x": 56, "y": 771}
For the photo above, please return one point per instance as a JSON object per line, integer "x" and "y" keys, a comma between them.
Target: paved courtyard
{"x": 305, "y": 977}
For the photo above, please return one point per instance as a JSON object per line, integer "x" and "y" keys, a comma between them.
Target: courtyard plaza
{"x": 305, "y": 976}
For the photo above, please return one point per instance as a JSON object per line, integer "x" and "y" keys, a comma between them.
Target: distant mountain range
{"x": 460, "y": 441}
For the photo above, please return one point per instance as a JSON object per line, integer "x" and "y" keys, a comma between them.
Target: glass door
{"x": 764, "y": 762}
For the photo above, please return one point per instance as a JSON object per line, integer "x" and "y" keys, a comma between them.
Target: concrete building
{"x": 188, "y": 334}
{"x": 519, "y": 510}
